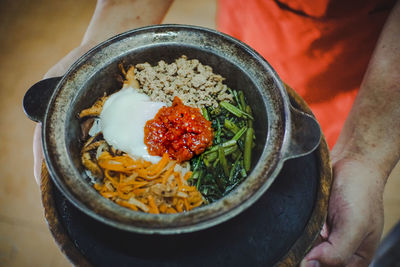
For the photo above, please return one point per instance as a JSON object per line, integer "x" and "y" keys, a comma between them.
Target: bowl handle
{"x": 305, "y": 134}
{"x": 37, "y": 98}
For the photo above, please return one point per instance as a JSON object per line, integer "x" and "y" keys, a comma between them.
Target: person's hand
{"x": 57, "y": 70}
{"x": 355, "y": 217}
{"x": 363, "y": 157}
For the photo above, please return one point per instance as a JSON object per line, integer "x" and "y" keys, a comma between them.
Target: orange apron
{"x": 320, "y": 48}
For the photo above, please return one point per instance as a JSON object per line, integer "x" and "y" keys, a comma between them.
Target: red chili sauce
{"x": 179, "y": 130}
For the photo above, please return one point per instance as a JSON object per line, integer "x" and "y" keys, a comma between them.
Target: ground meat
{"x": 194, "y": 83}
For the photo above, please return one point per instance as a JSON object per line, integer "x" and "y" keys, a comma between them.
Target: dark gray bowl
{"x": 281, "y": 131}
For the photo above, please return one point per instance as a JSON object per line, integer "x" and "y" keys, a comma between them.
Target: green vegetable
{"x": 231, "y": 126}
{"x": 200, "y": 173}
{"x": 218, "y": 133}
{"x": 225, "y": 144}
{"x": 243, "y": 171}
{"x": 248, "y": 110}
{"x": 205, "y": 113}
{"x": 234, "y": 110}
{"x": 224, "y": 165}
{"x": 196, "y": 175}
{"x": 247, "y": 148}
{"x": 242, "y": 102}
{"x": 239, "y": 133}
{"x": 237, "y": 154}
{"x": 234, "y": 169}
{"x": 235, "y": 95}
{"x": 222, "y": 160}
{"x": 214, "y": 154}
{"x": 216, "y": 163}
{"x": 206, "y": 162}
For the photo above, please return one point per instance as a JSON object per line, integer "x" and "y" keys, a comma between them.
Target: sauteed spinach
{"x": 224, "y": 165}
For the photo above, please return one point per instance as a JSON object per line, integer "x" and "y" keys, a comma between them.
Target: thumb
{"x": 341, "y": 244}
{"x": 37, "y": 153}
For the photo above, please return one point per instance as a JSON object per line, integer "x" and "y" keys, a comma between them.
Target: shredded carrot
{"x": 170, "y": 210}
{"x": 185, "y": 201}
{"x": 168, "y": 173}
{"x": 163, "y": 208}
{"x": 152, "y": 204}
{"x": 187, "y": 175}
{"x": 143, "y": 186}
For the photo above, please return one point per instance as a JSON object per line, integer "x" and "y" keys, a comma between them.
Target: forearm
{"x": 371, "y": 133}
{"x": 114, "y": 17}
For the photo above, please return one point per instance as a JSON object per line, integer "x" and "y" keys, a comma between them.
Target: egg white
{"x": 122, "y": 121}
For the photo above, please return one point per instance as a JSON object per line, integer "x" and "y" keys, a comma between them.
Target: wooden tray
{"x": 277, "y": 230}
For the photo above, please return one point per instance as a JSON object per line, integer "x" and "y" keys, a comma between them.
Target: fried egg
{"x": 122, "y": 121}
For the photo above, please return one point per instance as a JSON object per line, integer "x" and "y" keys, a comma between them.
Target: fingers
{"x": 351, "y": 242}
{"x": 325, "y": 254}
{"x": 311, "y": 263}
{"x": 37, "y": 152}
{"x": 342, "y": 246}
{"x": 346, "y": 235}
{"x": 358, "y": 261}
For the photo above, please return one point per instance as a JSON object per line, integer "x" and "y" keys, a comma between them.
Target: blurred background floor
{"x": 34, "y": 35}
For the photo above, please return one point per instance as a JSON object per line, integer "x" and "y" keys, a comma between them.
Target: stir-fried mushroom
{"x": 95, "y": 138}
{"x": 130, "y": 80}
{"x": 163, "y": 190}
{"x": 90, "y": 151}
{"x": 95, "y": 110}
{"x": 115, "y": 152}
{"x": 91, "y": 165}
{"x": 93, "y": 146}
{"x": 85, "y": 127}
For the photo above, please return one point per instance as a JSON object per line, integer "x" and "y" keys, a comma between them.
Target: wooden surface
{"x": 292, "y": 258}
{"x": 61, "y": 237}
